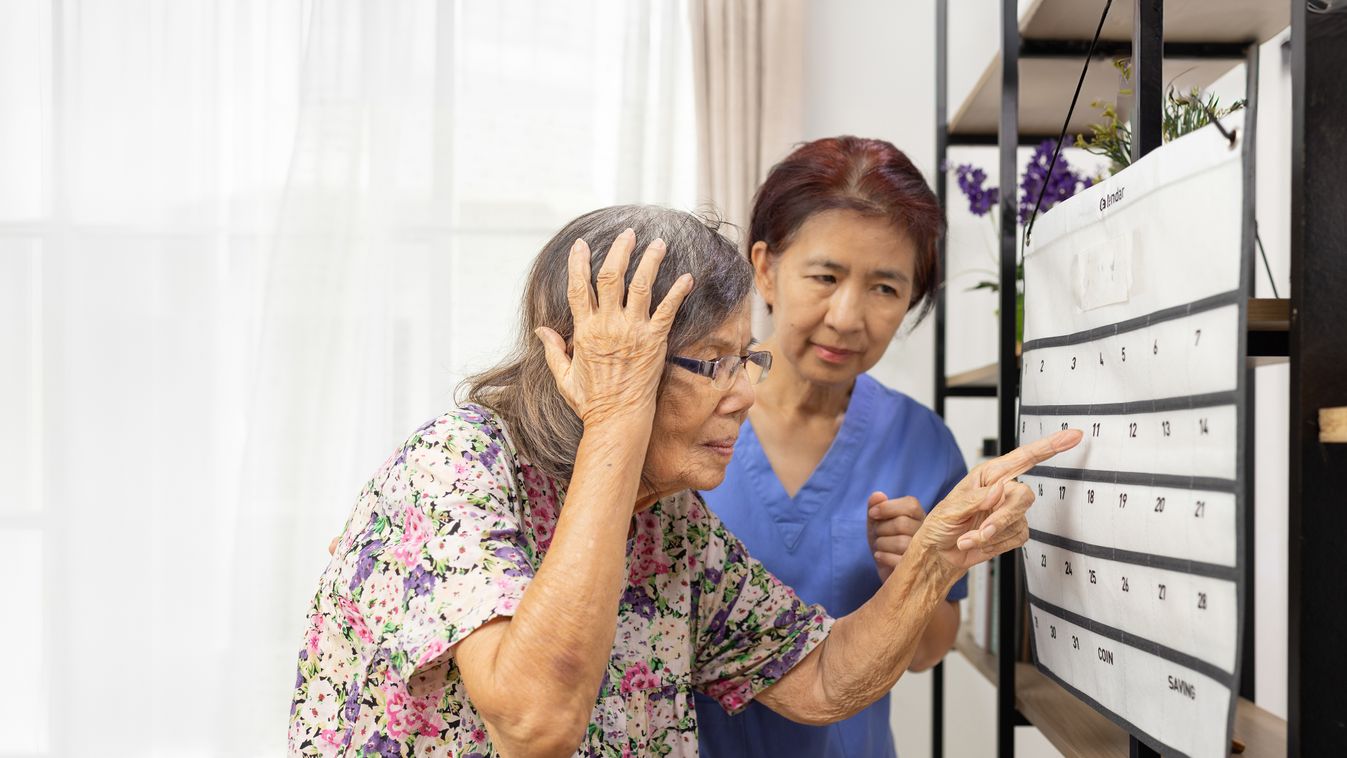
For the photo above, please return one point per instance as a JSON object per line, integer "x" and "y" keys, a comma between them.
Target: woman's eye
{"x": 887, "y": 290}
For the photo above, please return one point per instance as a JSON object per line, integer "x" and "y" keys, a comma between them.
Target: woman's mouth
{"x": 724, "y": 448}
{"x": 829, "y": 354}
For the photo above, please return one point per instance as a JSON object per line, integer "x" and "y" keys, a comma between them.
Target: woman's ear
{"x": 763, "y": 271}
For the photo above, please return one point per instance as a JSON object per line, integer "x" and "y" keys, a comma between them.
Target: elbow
{"x": 538, "y": 730}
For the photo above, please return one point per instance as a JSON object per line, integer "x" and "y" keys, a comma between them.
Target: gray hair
{"x": 522, "y": 390}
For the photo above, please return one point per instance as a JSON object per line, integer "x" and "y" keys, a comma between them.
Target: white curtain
{"x": 748, "y": 59}
{"x": 748, "y": 73}
{"x": 245, "y": 247}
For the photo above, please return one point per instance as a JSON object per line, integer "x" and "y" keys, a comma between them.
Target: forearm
{"x": 561, "y": 636}
{"x": 868, "y": 650}
{"x": 938, "y": 638}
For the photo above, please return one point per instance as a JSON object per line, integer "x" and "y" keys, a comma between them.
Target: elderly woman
{"x": 534, "y": 574}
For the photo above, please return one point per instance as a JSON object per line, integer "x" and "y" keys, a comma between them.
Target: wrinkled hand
{"x": 889, "y": 528}
{"x": 617, "y": 355}
{"x": 984, "y": 515}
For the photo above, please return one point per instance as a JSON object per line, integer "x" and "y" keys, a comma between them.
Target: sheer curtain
{"x": 245, "y": 247}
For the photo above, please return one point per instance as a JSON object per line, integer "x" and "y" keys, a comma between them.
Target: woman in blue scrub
{"x": 832, "y": 471}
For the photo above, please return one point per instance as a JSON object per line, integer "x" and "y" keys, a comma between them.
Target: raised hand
{"x": 614, "y": 362}
{"x": 984, "y": 515}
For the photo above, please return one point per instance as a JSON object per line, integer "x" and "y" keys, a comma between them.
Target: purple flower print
{"x": 365, "y": 565}
{"x": 640, "y": 601}
{"x": 786, "y": 618}
{"x": 380, "y": 744}
{"x": 418, "y": 582}
{"x": 352, "y": 708}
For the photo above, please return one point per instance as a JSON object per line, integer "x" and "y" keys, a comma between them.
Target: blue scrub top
{"x": 815, "y": 543}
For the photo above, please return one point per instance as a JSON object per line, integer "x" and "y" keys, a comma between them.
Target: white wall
{"x": 870, "y": 72}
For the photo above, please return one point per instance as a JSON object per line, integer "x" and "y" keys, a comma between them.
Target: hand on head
{"x": 616, "y": 357}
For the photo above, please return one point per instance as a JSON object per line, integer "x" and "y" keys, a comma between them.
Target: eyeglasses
{"x": 723, "y": 370}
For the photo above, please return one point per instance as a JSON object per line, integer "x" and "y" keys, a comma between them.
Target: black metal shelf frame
{"x": 1317, "y": 352}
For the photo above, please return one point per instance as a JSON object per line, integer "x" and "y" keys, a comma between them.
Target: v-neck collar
{"x": 826, "y": 482}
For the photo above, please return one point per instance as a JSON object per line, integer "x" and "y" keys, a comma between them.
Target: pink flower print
{"x": 395, "y": 708}
{"x": 329, "y": 741}
{"x": 415, "y": 533}
{"x": 355, "y": 620}
{"x": 638, "y": 677}
{"x": 315, "y": 633}
{"x": 479, "y": 735}
{"x": 433, "y": 649}
{"x": 423, "y": 716}
{"x": 731, "y": 695}
{"x": 507, "y": 605}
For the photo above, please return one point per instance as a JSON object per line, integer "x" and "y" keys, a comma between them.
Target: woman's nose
{"x": 845, "y": 311}
{"x": 740, "y": 396}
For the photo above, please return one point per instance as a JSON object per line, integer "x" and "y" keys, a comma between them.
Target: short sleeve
{"x": 750, "y": 628}
{"x": 955, "y": 470}
{"x": 444, "y": 551}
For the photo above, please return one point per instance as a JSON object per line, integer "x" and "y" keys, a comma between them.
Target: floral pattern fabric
{"x": 446, "y": 537}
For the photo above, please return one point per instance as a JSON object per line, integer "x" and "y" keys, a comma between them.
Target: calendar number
{"x": 1159, "y": 505}
{"x": 1052, "y": 630}
{"x": 1164, "y": 427}
{"x": 1132, "y": 429}
{"x": 1061, "y": 492}
{"x": 1094, "y": 429}
{"x": 1093, "y": 578}
{"x": 1073, "y": 363}
{"x": 1202, "y": 426}
{"x": 1197, "y": 337}
{"x": 1043, "y": 560}
{"x": 1202, "y": 601}
{"x": 1122, "y": 500}
{"x": 1075, "y": 642}
{"x": 1041, "y": 364}
{"x": 1200, "y": 510}
{"x": 1124, "y": 353}
{"x": 1089, "y": 497}
{"x": 1068, "y": 567}
{"x": 1155, "y": 349}
{"x": 1126, "y": 587}
{"x": 1162, "y": 592}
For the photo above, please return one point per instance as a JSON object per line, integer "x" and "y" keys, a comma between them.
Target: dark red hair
{"x": 869, "y": 176}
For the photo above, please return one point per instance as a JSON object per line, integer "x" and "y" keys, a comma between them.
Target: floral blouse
{"x": 446, "y": 537}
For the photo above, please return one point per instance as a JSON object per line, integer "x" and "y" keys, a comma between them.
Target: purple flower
{"x": 352, "y": 708}
{"x": 712, "y": 575}
{"x": 640, "y": 601}
{"x": 980, "y": 199}
{"x": 1060, "y": 185}
{"x": 378, "y": 744}
{"x": 1063, "y": 183}
{"x": 365, "y": 566}
{"x": 418, "y": 582}
{"x": 786, "y": 618}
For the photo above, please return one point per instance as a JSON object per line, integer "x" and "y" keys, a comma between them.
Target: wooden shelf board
{"x": 1216, "y": 21}
{"x": 1269, "y": 315}
{"x": 982, "y": 660}
{"x": 1076, "y": 729}
{"x": 1046, "y": 86}
{"x": 984, "y": 376}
